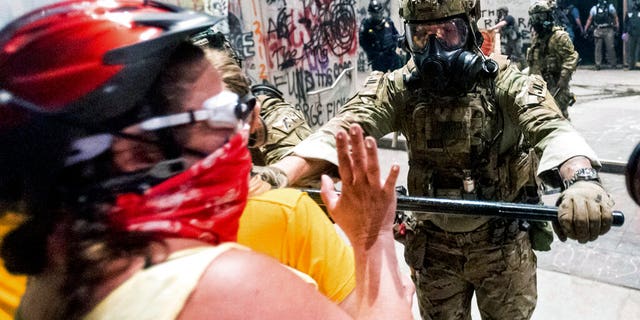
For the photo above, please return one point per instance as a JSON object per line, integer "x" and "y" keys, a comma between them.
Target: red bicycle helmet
{"x": 90, "y": 60}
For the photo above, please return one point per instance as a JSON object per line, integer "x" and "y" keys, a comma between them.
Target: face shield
{"x": 451, "y": 34}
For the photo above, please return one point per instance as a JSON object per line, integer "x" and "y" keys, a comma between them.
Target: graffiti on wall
{"x": 305, "y": 45}
{"x": 300, "y": 46}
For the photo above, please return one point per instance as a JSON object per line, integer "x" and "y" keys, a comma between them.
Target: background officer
{"x": 552, "y": 55}
{"x": 604, "y": 17}
{"x": 569, "y": 16}
{"x": 379, "y": 39}
{"x": 511, "y": 35}
{"x": 475, "y": 128}
{"x": 632, "y": 34}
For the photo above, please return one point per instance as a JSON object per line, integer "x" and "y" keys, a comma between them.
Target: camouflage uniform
{"x": 553, "y": 56}
{"x": 283, "y": 127}
{"x": 482, "y": 132}
{"x": 286, "y": 127}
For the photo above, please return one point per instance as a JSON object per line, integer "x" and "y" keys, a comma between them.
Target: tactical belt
{"x": 496, "y": 231}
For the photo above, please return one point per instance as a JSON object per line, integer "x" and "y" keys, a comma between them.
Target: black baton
{"x": 422, "y": 206}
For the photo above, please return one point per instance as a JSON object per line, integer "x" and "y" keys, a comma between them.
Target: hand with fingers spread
{"x": 365, "y": 210}
{"x": 366, "y": 207}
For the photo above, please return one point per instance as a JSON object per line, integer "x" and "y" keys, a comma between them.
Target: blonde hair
{"x": 232, "y": 75}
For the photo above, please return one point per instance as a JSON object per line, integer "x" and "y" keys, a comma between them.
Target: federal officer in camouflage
{"x": 474, "y": 128}
{"x": 279, "y": 128}
{"x": 552, "y": 55}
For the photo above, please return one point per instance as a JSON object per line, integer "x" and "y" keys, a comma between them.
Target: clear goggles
{"x": 224, "y": 110}
{"x": 450, "y": 33}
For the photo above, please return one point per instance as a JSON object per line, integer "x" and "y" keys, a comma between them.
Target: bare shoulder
{"x": 242, "y": 284}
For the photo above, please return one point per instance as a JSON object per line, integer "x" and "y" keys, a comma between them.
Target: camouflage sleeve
{"x": 371, "y": 107}
{"x": 563, "y": 47}
{"x": 286, "y": 127}
{"x": 532, "y": 110}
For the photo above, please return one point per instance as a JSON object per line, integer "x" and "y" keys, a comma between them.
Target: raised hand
{"x": 366, "y": 207}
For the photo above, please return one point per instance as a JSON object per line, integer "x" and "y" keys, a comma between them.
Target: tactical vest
{"x": 602, "y": 17}
{"x": 454, "y": 152}
{"x": 380, "y": 35}
{"x": 633, "y": 23}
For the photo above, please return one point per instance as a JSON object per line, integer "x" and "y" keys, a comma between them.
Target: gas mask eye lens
{"x": 451, "y": 34}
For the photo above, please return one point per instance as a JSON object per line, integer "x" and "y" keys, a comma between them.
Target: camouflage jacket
{"x": 553, "y": 57}
{"x": 286, "y": 127}
{"x": 484, "y": 133}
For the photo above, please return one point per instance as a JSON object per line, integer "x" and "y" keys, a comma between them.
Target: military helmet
{"x": 422, "y": 10}
{"x": 374, "y": 7}
{"x": 539, "y": 7}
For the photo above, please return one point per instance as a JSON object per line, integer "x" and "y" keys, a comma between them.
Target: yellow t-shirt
{"x": 288, "y": 225}
{"x": 11, "y": 287}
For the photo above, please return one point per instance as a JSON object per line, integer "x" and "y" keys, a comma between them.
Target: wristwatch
{"x": 582, "y": 174}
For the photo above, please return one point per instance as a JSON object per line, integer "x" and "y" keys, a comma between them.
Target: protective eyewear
{"x": 224, "y": 111}
{"x": 451, "y": 34}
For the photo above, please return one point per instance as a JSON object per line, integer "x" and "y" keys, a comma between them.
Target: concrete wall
{"x": 300, "y": 46}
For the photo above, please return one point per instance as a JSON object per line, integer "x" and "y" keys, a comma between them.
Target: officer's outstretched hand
{"x": 584, "y": 212}
{"x": 271, "y": 175}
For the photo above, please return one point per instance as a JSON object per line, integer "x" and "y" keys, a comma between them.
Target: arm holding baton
{"x": 421, "y": 207}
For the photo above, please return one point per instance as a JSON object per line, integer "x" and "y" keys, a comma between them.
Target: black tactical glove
{"x": 563, "y": 83}
{"x": 584, "y": 212}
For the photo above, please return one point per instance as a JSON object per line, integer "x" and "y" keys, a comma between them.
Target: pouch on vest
{"x": 540, "y": 235}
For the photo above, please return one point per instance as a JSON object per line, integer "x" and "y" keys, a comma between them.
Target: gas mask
{"x": 444, "y": 66}
{"x": 542, "y": 23}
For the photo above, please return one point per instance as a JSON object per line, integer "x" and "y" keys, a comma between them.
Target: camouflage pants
{"x": 606, "y": 36}
{"x": 455, "y": 265}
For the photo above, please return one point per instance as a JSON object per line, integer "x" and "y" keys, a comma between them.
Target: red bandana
{"x": 204, "y": 202}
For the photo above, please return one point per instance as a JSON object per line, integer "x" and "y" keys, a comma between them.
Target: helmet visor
{"x": 451, "y": 34}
